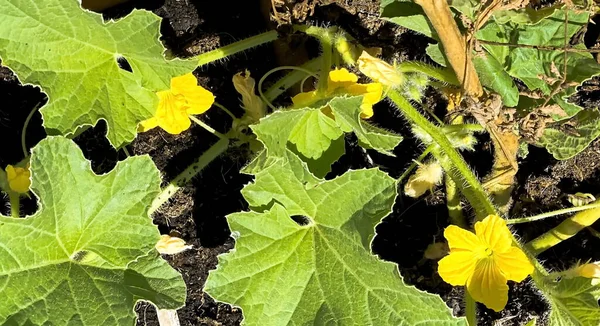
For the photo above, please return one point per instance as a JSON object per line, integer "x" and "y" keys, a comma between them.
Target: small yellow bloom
{"x": 590, "y": 270}
{"x": 341, "y": 81}
{"x": 484, "y": 261}
{"x": 425, "y": 178}
{"x": 176, "y": 104}
{"x": 18, "y": 178}
{"x": 379, "y": 70}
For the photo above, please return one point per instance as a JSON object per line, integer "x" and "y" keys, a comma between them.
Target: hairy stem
{"x": 15, "y": 203}
{"x": 565, "y": 230}
{"x": 470, "y": 309}
{"x": 450, "y": 159}
{"x": 191, "y": 171}
{"x": 231, "y": 49}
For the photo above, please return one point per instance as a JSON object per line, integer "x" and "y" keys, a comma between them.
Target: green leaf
{"x": 563, "y": 145}
{"x": 284, "y": 273}
{"x": 524, "y": 16}
{"x": 347, "y": 113}
{"x": 88, "y": 255}
{"x": 493, "y": 76}
{"x": 435, "y": 52}
{"x": 574, "y": 301}
{"x": 468, "y": 7}
{"x": 317, "y": 138}
{"x": 407, "y": 14}
{"x": 72, "y": 54}
{"x": 536, "y": 66}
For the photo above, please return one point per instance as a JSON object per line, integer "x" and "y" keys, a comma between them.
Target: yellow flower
{"x": 176, "y": 104}
{"x": 341, "y": 81}
{"x": 18, "y": 178}
{"x": 484, "y": 261}
{"x": 379, "y": 70}
{"x": 168, "y": 245}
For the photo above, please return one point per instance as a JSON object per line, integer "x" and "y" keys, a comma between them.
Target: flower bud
{"x": 426, "y": 177}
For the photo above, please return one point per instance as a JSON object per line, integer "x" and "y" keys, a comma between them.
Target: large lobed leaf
{"x": 73, "y": 55}
{"x": 303, "y": 253}
{"x": 574, "y": 301}
{"x": 88, "y": 254}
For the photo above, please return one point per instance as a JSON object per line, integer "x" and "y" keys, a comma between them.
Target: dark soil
{"x": 197, "y": 213}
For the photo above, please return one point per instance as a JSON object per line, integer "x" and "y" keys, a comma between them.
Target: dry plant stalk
{"x": 455, "y": 45}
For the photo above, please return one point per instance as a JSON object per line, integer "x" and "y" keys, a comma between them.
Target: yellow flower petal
{"x": 591, "y": 270}
{"x": 456, "y": 268}
{"x": 514, "y": 264}
{"x": 488, "y": 285}
{"x": 372, "y": 94}
{"x": 461, "y": 239}
{"x": 379, "y": 70}
{"x": 304, "y": 99}
{"x": 493, "y": 231}
{"x": 148, "y": 124}
{"x": 171, "y": 114}
{"x": 340, "y": 78}
{"x": 19, "y": 179}
{"x": 198, "y": 99}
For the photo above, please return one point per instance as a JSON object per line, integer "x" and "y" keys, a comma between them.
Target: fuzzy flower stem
{"x": 443, "y": 75}
{"x": 450, "y": 159}
{"x": 14, "y": 204}
{"x": 207, "y": 127}
{"x": 565, "y": 230}
{"x": 470, "y": 310}
{"x": 224, "y": 109}
{"x": 233, "y": 48}
{"x": 191, "y": 171}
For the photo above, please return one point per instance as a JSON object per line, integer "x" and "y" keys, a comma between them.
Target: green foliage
{"x": 88, "y": 255}
{"x": 564, "y": 145}
{"x": 317, "y": 138}
{"x": 574, "y": 301}
{"x": 536, "y": 57}
{"x": 72, "y": 54}
{"x": 303, "y": 252}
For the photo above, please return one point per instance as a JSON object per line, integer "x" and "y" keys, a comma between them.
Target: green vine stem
{"x": 300, "y": 70}
{"x": 191, "y": 171}
{"x": 553, "y": 213}
{"x": 233, "y": 48}
{"x": 24, "y": 129}
{"x": 449, "y": 158}
{"x": 326, "y": 37}
{"x": 454, "y": 204}
{"x": 470, "y": 310}
{"x": 15, "y": 203}
{"x": 565, "y": 230}
{"x": 456, "y": 167}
